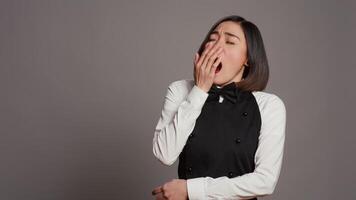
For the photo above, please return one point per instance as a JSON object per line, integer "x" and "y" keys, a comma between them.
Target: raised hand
{"x": 205, "y": 65}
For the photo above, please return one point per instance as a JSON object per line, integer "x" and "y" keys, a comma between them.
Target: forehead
{"x": 231, "y": 27}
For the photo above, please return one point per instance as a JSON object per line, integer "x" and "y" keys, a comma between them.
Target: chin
{"x": 219, "y": 81}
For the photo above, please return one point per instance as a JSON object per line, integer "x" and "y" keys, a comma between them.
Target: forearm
{"x": 176, "y": 123}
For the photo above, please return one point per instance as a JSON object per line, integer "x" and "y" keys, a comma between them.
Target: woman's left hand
{"x": 176, "y": 189}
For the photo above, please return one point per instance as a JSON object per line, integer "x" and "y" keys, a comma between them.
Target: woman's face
{"x": 230, "y": 36}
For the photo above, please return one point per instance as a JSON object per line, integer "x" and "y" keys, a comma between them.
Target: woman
{"x": 227, "y": 133}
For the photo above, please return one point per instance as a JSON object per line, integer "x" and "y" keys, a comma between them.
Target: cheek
{"x": 236, "y": 57}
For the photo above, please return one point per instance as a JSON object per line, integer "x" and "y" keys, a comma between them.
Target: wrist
{"x": 203, "y": 88}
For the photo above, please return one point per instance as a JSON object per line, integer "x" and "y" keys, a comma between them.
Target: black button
{"x": 191, "y": 135}
{"x": 244, "y": 114}
{"x": 237, "y": 140}
{"x": 190, "y": 169}
{"x": 231, "y": 174}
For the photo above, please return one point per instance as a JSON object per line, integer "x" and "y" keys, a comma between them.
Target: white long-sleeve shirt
{"x": 182, "y": 106}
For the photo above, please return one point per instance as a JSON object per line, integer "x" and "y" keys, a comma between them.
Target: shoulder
{"x": 269, "y": 102}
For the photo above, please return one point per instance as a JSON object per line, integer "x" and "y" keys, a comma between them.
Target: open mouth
{"x": 218, "y": 68}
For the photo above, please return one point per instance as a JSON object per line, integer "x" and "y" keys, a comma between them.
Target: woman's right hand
{"x": 204, "y": 66}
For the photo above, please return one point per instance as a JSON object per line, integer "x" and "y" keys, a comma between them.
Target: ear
{"x": 245, "y": 64}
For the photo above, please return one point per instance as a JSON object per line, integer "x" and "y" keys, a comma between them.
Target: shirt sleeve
{"x": 268, "y": 160}
{"x": 177, "y": 121}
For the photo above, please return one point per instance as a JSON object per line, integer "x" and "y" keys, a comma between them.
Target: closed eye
{"x": 226, "y": 42}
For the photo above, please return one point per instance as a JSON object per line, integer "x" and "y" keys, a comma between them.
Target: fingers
{"x": 157, "y": 190}
{"x": 212, "y": 59}
{"x": 204, "y": 54}
{"x": 195, "y": 69}
{"x": 160, "y": 196}
{"x": 215, "y": 65}
{"x": 205, "y": 64}
{"x": 196, "y": 58}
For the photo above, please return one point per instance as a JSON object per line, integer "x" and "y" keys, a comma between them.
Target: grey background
{"x": 82, "y": 86}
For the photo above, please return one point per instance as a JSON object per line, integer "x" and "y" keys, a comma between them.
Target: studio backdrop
{"x": 82, "y": 86}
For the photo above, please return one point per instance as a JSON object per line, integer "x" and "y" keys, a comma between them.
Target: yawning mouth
{"x": 218, "y": 68}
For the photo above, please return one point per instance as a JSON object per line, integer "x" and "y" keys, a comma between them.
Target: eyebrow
{"x": 226, "y": 33}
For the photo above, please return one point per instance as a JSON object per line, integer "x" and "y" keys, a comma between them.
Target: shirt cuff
{"x": 196, "y": 188}
{"x": 197, "y": 97}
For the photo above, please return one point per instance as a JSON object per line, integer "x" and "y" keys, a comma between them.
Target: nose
{"x": 219, "y": 43}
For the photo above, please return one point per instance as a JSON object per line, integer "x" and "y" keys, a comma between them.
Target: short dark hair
{"x": 255, "y": 76}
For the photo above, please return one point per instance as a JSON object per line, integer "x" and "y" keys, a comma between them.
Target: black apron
{"x": 224, "y": 139}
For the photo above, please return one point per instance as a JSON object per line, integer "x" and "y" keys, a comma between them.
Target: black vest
{"x": 224, "y": 139}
